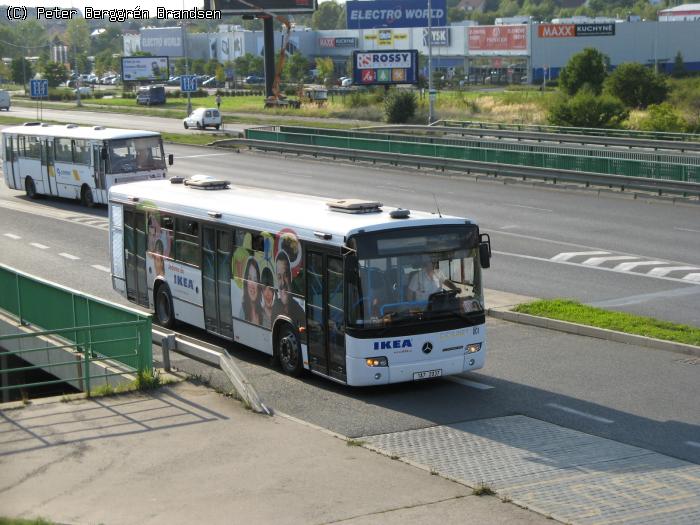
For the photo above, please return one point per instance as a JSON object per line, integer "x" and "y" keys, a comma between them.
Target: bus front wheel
{"x": 86, "y": 197}
{"x": 165, "y": 314}
{"x": 289, "y": 351}
{"x": 30, "y": 189}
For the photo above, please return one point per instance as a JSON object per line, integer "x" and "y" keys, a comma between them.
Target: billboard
{"x": 440, "y": 36}
{"x": 492, "y": 39}
{"x": 332, "y": 42}
{"x": 385, "y": 67}
{"x": 574, "y": 30}
{"x": 234, "y": 7}
{"x": 364, "y": 14}
{"x": 162, "y": 41}
{"x": 145, "y": 68}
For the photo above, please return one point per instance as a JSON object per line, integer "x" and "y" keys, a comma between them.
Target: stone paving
{"x": 569, "y": 475}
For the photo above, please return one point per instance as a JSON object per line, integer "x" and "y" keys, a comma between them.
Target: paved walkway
{"x": 188, "y": 455}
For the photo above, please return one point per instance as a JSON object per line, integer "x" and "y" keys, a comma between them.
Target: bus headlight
{"x": 377, "y": 361}
{"x": 473, "y": 348}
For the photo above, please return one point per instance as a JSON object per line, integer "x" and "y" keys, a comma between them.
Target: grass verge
{"x": 575, "y": 312}
{"x": 22, "y": 521}
{"x": 144, "y": 381}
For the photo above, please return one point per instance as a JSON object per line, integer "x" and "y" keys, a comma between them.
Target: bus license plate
{"x": 427, "y": 374}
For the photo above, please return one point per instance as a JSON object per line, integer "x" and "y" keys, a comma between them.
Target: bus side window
{"x": 63, "y": 150}
{"x": 81, "y": 152}
{"x": 187, "y": 247}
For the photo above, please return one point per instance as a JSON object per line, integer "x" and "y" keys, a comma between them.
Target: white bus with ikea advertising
{"x": 357, "y": 292}
{"x": 79, "y": 162}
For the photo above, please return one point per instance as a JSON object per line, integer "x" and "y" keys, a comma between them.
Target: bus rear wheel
{"x": 30, "y": 189}
{"x": 86, "y": 198}
{"x": 289, "y": 351}
{"x": 165, "y": 314}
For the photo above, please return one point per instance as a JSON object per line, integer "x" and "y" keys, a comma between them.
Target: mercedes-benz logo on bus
{"x": 427, "y": 347}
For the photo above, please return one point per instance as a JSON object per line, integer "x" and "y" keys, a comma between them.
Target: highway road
{"x": 548, "y": 243}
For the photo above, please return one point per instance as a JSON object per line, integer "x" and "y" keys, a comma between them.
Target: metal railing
{"x": 71, "y": 325}
{"x": 535, "y": 159}
{"x": 572, "y": 130}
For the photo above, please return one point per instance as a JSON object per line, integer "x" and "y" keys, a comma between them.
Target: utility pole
{"x": 77, "y": 80}
{"x": 431, "y": 91}
{"x": 187, "y": 64}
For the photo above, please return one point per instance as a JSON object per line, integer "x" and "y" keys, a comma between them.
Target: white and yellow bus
{"x": 79, "y": 162}
{"x": 357, "y": 292}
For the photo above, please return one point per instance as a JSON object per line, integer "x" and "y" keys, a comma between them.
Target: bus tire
{"x": 30, "y": 188}
{"x": 165, "y": 314}
{"x": 86, "y": 197}
{"x": 289, "y": 351}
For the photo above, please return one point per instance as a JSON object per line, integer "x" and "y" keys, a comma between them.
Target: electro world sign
{"x": 362, "y": 14}
{"x": 385, "y": 67}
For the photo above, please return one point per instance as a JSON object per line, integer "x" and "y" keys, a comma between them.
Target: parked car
{"x": 203, "y": 118}
{"x": 85, "y": 91}
{"x": 211, "y": 83}
{"x": 174, "y": 81}
{"x": 5, "y": 100}
{"x": 254, "y": 79}
{"x": 347, "y": 82}
{"x": 151, "y": 95}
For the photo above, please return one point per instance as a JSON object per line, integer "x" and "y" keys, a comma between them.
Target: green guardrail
{"x": 593, "y": 164}
{"x": 570, "y": 130}
{"x": 96, "y": 330}
{"x": 549, "y": 149}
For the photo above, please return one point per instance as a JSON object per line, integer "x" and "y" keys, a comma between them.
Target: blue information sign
{"x": 188, "y": 83}
{"x": 39, "y": 88}
{"x": 390, "y": 13}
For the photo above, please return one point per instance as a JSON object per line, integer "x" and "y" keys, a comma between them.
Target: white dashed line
{"x": 686, "y": 230}
{"x": 626, "y": 267}
{"x": 467, "y": 382}
{"x": 13, "y": 236}
{"x": 663, "y": 272}
{"x": 579, "y": 413}
{"x": 692, "y": 444}
{"x": 69, "y": 256}
{"x": 101, "y": 268}
{"x": 527, "y": 207}
{"x": 595, "y": 261}
{"x": 40, "y": 246}
{"x": 694, "y": 277}
{"x": 570, "y": 255}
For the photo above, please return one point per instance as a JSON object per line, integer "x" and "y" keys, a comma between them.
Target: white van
{"x": 4, "y": 100}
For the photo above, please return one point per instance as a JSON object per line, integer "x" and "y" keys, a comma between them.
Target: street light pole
{"x": 77, "y": 80}
{"x": 431, "y": 91}
{"x": 187, "y": 65}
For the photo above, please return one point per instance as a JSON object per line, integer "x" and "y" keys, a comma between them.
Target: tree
{"x": 679, "y": 70}
{"x": 588, "y": 110}
{"x": 21, "y": 70}
{"x": 296, "y": 67}
{"x": 220, "y": 75}
{"x": 400, "y": 106}
{"x": 325, "y": 69}
{"x": 55, "y": 73}
{"x": 249, "y": 64}
{"x": 587, "y": 68}
{"x": 326, "y": 16}
{"x": 77, "y": 36}
{"x": 663, "y": 117}
{"x": 636, "y": 85}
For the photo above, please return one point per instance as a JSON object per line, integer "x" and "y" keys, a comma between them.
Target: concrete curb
{"x": 240, "y": 382}
{"x": 591, "y": 331}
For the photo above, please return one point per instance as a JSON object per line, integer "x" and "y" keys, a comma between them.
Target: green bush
{"x": 399, "y": 107}
{"x": 588, "y": 110}
{"x": 637, "y": 85}
{"x": 663, "y": 117}
{"x": 586, "y": 69}
{"x": 357, "y": 99}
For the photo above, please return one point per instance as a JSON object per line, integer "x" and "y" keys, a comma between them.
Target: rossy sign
{"x": 385, "y": 67}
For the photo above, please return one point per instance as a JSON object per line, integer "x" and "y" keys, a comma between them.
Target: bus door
{"x": 217, "y": 250}
{"x": 99, "y": 166}
{"x": 48, "y": 170}
{"x": 135, "y": 256}
{"x": 325, "y": 313}
{"x": 11, "y": 158}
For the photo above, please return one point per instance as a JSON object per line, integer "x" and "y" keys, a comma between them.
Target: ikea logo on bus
{"x": 179, "y": 280}
{"x": 390, "y": 345}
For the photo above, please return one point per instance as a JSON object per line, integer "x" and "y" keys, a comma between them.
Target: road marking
{"x": 693, "y": 443}
{"x": 13, "y": 236}
{"x": 562, "y": 257}
{"x": 101, "y": 268}
{"x": 509, "y": 227}
{"x": 686, "y": 230}
{"x": 626, "y": 267}
{"x": 579, "y": 413}
{"x": 528, "y": 207}
{"x": 663, "y": 272}
{"x": 40, "y": 246}
{"x": 596, "y": 261}
{"x": 694, "y": 277}
{"x": 467, "y": 382}
{"x": 69, "y": 256}
{"x": 202, "y": 155}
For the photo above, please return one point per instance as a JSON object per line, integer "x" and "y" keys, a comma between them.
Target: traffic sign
{"x": 39, "y": 88}
{"x": 188, "y": 83}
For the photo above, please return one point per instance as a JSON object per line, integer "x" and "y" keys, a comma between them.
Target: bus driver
{"x": 428, "y": 280}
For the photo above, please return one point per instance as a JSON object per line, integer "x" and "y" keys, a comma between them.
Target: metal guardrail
{"x": 623, "y": 182}
{"x": 590, "y": 164}
{"x": 68, "y": 320}
{"x": 573, "y": 130}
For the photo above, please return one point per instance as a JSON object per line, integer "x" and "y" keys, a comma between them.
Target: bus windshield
{"x": 415, "y": 277}
{"x": 137, "y": 154}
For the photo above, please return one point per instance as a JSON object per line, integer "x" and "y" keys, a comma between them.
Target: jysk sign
{"x": 574, "y": 30}
{"x": 440, "y": 36}
{"x": 390, "y": 13}
{"x": 385, "y": 67}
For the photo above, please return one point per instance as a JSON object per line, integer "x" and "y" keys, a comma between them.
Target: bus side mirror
{"x": 103, "y": 153}
{"x": 171, "y": 159}
{"x": 485, "y": 250}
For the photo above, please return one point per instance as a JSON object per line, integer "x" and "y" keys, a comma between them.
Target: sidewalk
{"x": 188, "y": 455}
